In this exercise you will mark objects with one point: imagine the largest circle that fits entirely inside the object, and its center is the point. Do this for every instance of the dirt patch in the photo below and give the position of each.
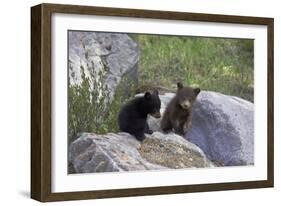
(170, 155)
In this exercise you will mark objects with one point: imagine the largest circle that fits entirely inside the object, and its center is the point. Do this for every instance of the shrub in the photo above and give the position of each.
(89, 108)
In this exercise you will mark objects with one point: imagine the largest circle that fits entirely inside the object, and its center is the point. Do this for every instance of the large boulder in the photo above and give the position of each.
(154, 124)
(110, 55)
(122, 152)
(222, 126)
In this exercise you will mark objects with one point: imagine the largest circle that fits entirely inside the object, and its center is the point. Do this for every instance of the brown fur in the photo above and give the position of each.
(177, 115)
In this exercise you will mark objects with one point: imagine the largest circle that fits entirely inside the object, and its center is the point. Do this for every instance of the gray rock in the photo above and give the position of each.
(222, 126)
(154, 124)
(110, 55)
(122, 152)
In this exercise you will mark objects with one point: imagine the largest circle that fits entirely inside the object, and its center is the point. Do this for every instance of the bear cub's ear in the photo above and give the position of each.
(180, 85)
(147, 95)
(197, 91)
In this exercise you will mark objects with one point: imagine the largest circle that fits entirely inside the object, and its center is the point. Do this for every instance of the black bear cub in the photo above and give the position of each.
(133, 115)
(177, 115)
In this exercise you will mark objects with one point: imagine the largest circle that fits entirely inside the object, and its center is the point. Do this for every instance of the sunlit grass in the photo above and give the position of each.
(222, 65)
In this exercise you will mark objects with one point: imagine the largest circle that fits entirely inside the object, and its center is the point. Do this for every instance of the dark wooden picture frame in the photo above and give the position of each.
(41, 117)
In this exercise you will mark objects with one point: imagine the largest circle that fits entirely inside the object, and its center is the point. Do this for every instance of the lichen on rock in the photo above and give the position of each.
(170, 151)
(122, 152)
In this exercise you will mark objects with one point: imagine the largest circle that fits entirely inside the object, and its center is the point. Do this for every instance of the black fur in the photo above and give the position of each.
(133, 115)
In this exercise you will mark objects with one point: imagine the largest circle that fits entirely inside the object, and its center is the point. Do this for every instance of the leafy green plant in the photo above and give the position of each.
(90, 108)
(87, 104)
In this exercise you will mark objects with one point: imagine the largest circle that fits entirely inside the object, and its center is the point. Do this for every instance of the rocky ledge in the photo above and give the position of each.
(122, 152)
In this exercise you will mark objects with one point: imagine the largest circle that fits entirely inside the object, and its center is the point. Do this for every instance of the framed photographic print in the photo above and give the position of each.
(130, 102)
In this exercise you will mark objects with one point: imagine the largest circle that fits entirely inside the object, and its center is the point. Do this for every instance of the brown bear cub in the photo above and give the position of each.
(177, 115)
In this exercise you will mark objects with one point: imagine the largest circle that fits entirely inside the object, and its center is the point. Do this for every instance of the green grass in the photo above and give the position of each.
(216, 64)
